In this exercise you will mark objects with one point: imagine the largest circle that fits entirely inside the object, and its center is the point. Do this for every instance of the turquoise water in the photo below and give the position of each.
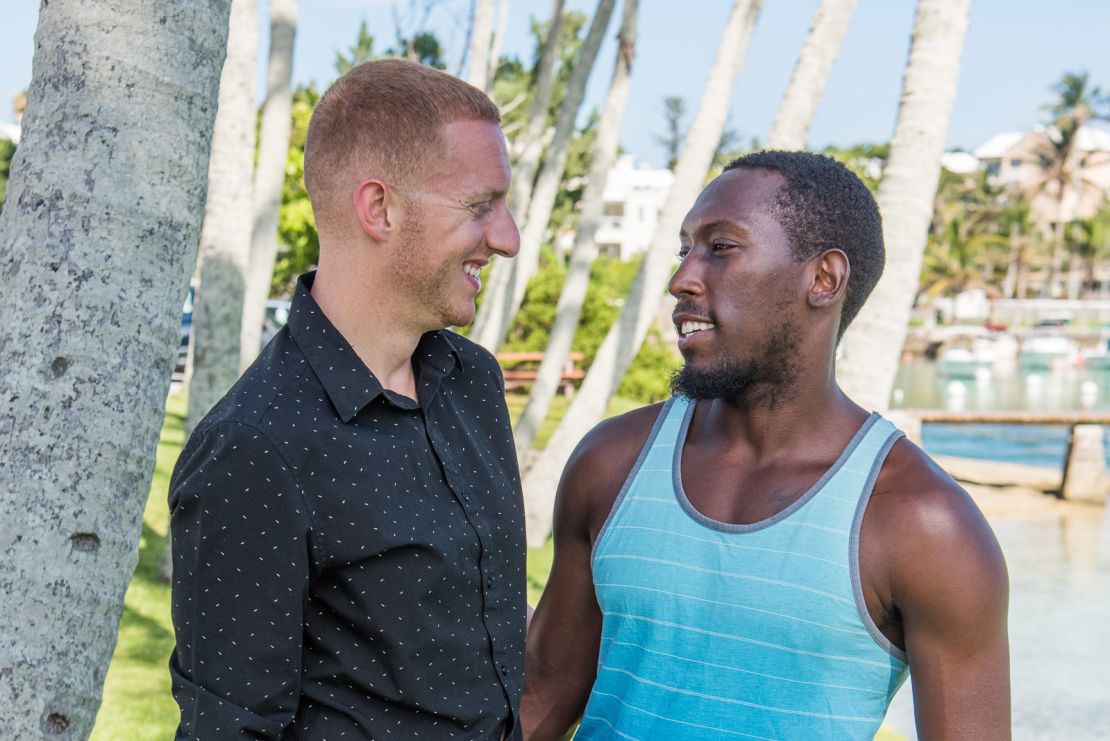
(1058, 561)
(920, 386)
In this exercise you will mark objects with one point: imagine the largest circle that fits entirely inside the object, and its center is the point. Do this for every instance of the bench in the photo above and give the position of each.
(522, 368)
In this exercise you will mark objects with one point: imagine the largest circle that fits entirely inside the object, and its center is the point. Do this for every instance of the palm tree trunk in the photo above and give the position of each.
(524, 168)
(547, 184)
(481, 38)
(569, 308)
(225, 238)
(873, 344)
(627, 334)
(498, 37)
(98, 237)
(269, 177)
(811, 74)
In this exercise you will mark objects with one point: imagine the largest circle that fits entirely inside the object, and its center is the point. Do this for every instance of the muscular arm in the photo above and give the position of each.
(561, 659)
(240, 580)
(949, 588)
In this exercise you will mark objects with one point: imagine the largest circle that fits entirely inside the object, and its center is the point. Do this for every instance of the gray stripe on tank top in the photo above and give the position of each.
(853, 549)
(648, 444)
(731, 527)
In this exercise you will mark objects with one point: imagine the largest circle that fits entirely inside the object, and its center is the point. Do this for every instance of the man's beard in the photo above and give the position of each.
(762, 378)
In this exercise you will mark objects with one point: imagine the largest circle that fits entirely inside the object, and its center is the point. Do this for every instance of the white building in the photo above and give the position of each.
(633, 198)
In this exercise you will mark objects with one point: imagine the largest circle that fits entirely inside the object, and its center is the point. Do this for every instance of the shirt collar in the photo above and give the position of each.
(349, 384)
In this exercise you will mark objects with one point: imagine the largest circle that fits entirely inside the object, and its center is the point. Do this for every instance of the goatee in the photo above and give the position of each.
(762, 378)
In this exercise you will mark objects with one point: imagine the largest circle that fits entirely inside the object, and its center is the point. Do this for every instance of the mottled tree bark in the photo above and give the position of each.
(873, 343)
(811, 74)
(97, 242)
(225, 238)
(269, 175)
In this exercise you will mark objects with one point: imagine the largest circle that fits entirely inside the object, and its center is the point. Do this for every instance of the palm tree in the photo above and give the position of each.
(269, 176)
(627, 334)
(501, 304)
(526, 162)
(109, 179)
(225, 239)
(569, 308)
(1062, 163)
(481, 40)
(872, 345)
(1089, 241)
(811, 73)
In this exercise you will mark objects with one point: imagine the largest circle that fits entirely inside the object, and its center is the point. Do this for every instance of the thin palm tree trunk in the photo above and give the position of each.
(269, 176)
(811, 74)
(481, 38)
(569, 308)
(524, 167)
(627, 334)
(225, 238)
(527, 261)
(98, 240)
(872, 345)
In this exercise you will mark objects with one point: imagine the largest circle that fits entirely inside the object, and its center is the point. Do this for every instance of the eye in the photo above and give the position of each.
(479, 208)
(682, 252)
(718, 246)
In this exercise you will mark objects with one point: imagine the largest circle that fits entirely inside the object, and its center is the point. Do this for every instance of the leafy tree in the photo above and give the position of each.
(296, 225)
(7, 152)
(674, 111)
(1060, 161)
(361, 51)
(1088, 241)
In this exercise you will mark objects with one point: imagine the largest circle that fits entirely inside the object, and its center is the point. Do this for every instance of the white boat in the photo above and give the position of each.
(960, 362)
(1048, 351)
(1097, 358)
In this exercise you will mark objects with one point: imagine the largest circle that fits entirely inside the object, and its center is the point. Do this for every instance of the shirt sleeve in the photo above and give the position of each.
(241, 561)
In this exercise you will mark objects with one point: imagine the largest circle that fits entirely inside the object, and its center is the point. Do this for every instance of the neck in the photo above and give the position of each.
(810, 410)
(358, 306)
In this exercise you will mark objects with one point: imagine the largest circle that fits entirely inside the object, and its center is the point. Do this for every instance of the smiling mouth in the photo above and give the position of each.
(474, 273)
(685, 329)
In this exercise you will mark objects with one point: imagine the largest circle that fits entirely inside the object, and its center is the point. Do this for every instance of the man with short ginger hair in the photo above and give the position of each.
(347, 522)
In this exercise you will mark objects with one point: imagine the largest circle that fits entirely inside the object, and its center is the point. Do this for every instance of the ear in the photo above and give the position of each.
(830, 278)
(373, 199)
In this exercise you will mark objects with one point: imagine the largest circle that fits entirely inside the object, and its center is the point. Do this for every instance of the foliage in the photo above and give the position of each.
(7, 152)
(865, 160)
(361, 51)
(674, 132)
(647, 378)
(296, 225)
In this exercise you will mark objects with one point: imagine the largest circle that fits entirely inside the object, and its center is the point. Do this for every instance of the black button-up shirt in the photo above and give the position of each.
(348, 562)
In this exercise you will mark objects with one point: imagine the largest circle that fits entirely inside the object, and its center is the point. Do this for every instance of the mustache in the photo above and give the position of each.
(691, 309)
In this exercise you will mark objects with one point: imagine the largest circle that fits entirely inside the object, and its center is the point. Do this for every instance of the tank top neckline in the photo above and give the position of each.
(732, 527)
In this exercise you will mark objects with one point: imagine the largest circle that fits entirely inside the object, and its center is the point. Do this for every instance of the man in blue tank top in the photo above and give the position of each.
(759, 557)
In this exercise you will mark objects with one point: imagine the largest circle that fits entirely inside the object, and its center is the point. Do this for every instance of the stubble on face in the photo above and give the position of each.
(415, 274)
(763, 378)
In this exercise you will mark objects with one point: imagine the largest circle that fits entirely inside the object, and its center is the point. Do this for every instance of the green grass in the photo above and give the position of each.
(137, 704)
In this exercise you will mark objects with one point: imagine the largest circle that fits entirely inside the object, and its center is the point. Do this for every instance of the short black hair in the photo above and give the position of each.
(824, 206)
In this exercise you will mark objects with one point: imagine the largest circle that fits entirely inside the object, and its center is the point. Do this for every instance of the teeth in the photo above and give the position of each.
(472, 270)
(690, 327)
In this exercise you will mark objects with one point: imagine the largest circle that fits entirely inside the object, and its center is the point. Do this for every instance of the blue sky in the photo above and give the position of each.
(1015, 50)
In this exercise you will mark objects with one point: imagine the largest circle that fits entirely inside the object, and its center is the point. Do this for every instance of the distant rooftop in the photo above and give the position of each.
(998, 145)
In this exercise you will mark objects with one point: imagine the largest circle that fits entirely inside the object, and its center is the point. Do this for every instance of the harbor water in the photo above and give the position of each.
(1058, 560)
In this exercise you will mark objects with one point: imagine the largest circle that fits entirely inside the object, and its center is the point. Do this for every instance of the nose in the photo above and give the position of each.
(502, 236)
(686, 280)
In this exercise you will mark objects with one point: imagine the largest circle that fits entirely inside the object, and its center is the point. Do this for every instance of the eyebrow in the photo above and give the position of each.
(732, 226)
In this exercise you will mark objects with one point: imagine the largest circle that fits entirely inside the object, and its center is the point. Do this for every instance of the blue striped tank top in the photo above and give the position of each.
(716, 631)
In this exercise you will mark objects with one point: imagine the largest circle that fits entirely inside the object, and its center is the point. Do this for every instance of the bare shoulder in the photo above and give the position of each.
(601, 462)
(934, 539)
